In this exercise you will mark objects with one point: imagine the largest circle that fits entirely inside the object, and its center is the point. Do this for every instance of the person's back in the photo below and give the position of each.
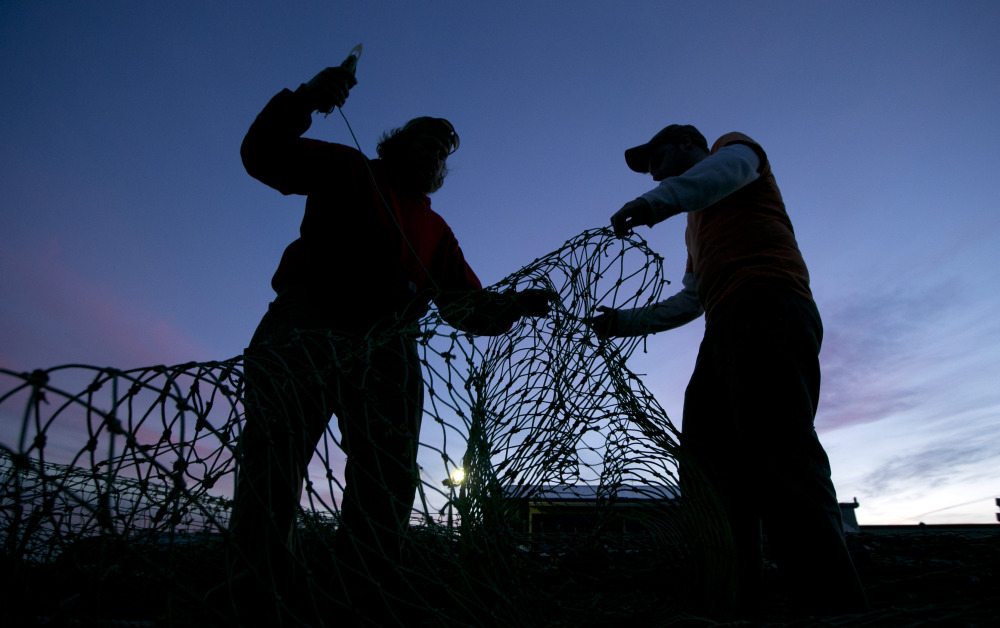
(745, 239)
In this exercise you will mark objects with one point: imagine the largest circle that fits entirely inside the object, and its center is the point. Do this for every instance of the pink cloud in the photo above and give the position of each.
(55, 314)
(876, 357)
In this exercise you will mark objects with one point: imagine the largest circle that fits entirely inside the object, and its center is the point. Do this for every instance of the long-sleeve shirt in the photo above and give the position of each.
(738, 235)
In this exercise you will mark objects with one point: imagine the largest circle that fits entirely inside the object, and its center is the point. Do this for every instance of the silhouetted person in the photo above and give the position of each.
(747, 429)
(370, 257)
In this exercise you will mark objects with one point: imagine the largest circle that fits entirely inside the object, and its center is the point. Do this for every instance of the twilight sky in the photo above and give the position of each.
(130, 235)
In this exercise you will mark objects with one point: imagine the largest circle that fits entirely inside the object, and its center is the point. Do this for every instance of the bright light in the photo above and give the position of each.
(458, 475)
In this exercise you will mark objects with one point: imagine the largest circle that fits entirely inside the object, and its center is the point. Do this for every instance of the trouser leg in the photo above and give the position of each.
(380, 426)
(805, 534)
(724, 502)
(802, 522)
(749, 420)
(287, 410)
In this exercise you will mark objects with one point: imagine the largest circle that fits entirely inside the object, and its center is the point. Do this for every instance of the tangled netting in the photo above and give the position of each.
(116, 489)
(117, 485)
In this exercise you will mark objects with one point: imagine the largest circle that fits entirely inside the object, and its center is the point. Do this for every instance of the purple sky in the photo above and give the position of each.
(130, 234)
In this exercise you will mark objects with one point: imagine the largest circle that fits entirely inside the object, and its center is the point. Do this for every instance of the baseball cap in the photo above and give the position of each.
(637, 157)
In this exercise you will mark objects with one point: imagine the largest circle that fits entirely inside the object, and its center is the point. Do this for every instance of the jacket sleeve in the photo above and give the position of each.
(479, 312)
(274, 151)
(707, 182)
(680, 309)
(461, 300)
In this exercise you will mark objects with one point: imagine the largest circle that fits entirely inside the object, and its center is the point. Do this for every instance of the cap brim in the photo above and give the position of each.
(637, 158)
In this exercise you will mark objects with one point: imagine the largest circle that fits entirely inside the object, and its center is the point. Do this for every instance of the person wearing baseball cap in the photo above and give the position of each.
(747, 434)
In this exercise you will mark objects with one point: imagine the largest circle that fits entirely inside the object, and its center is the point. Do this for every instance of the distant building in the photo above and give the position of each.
(965, 529)
(550, 509)
(850, 519)
(556, 509)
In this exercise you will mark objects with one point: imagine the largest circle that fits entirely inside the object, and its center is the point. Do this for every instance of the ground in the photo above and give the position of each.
(947, 579)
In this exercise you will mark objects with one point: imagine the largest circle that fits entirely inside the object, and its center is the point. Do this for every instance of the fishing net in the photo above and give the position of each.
(117, 485)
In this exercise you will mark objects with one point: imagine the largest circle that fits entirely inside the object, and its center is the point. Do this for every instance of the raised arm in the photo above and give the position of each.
(274, 151)
(677, 310)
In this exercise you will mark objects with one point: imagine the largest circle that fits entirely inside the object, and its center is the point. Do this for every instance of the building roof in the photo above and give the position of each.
(591, 492)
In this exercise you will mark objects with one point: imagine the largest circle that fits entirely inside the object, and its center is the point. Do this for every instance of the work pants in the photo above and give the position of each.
(748, 435)
(298, 374)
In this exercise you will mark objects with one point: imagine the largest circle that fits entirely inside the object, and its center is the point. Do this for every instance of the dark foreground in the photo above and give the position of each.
(916, 579)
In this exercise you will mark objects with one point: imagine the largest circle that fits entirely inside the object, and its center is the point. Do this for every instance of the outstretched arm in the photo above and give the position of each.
(680, 309)
(707, 182)
(487, 313)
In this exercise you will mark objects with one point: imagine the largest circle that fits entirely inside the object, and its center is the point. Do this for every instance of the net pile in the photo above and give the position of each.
(115, 485)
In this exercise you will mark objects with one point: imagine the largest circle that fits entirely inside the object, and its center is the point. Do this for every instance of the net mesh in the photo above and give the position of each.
(116, 486)
(106, 472)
